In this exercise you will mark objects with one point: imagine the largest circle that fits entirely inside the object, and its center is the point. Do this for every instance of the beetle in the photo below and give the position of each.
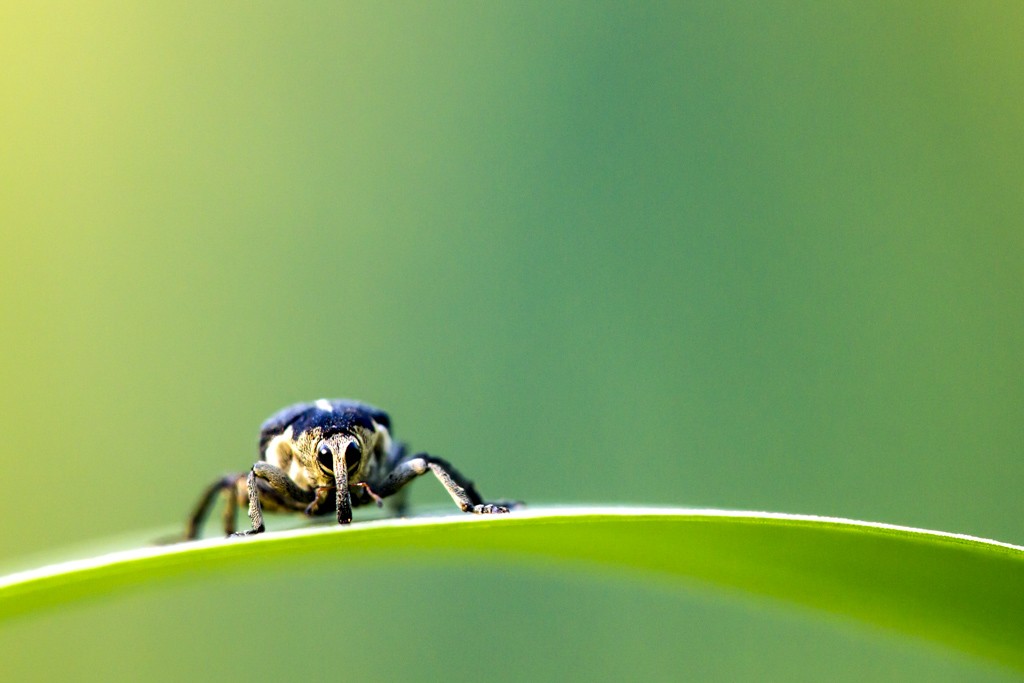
(308, 451)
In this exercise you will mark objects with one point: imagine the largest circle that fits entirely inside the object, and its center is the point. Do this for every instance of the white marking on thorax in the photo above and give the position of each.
(324, 404)
(298, 475)
(279, 450)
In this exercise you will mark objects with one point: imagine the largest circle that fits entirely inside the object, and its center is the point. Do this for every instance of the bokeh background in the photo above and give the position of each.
(733, 254)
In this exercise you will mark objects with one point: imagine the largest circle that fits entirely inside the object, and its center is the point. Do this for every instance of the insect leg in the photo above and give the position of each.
(235, 495)
(255, 512)
(282, 491)
(459, 488)
(398, 503)
(199, 512)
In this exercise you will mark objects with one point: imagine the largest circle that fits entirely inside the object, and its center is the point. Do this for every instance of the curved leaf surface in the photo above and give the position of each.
(965, 592)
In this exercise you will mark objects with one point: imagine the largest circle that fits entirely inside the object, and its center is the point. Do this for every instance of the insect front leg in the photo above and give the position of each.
(275, 487)
(459, 488)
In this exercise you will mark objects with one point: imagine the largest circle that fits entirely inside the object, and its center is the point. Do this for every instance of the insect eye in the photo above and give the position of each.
(325, 457)
(353, 454)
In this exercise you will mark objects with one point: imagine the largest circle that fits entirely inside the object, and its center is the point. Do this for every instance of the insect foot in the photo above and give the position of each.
(489, 509)
(250, 532)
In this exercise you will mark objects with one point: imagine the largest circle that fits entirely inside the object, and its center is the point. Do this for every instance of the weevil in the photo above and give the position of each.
(308, 451)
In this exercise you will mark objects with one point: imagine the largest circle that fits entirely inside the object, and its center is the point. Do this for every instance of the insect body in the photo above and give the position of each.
(324, 457)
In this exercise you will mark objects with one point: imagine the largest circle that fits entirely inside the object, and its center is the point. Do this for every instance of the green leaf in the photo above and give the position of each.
(962, 591)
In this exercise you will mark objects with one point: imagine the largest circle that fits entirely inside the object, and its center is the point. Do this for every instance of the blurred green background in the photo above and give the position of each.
(733, 255)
